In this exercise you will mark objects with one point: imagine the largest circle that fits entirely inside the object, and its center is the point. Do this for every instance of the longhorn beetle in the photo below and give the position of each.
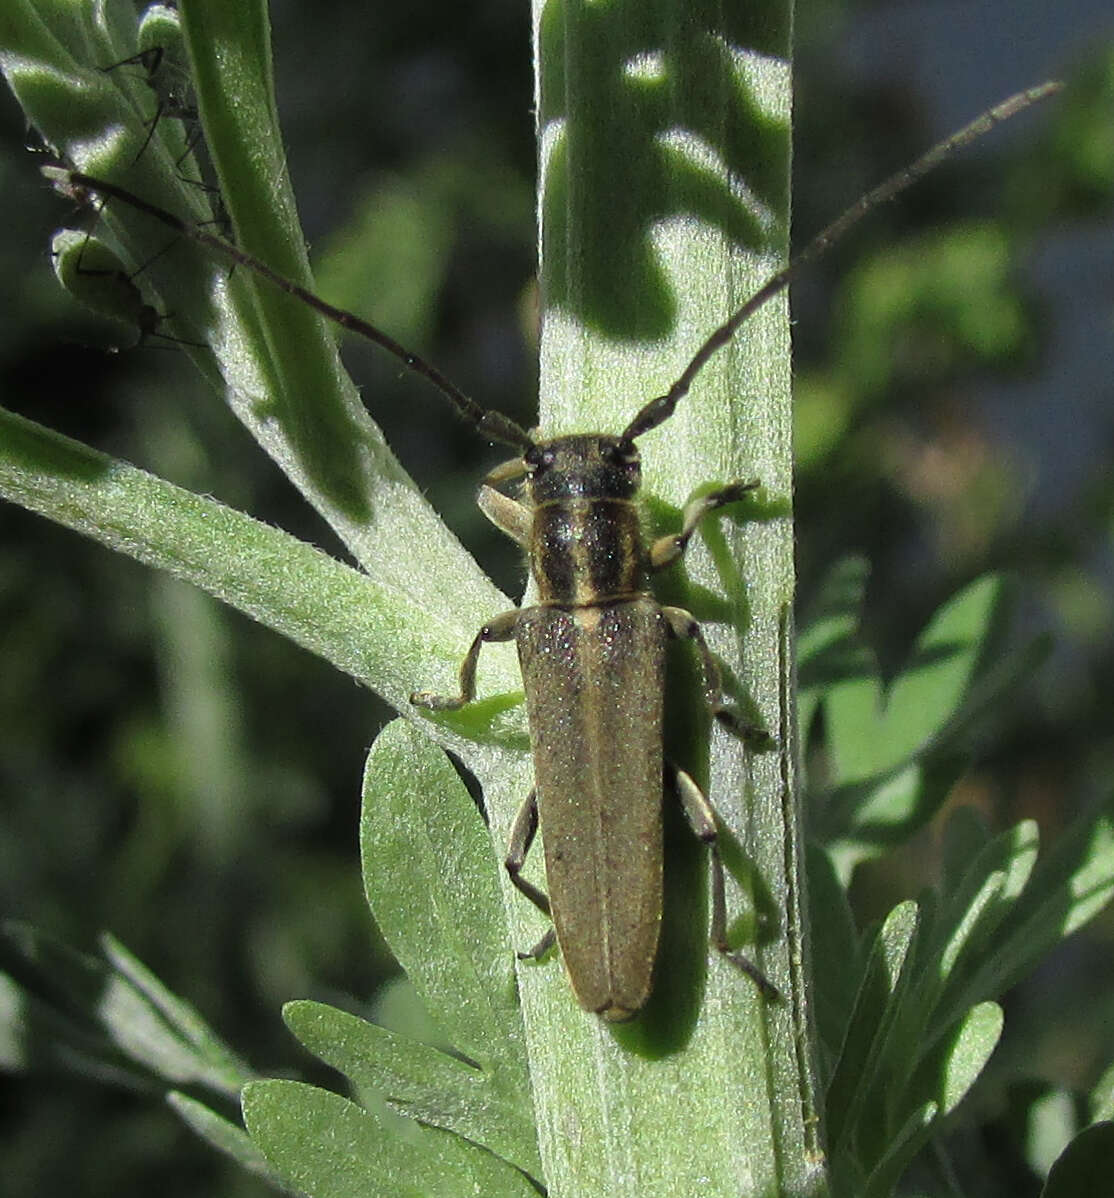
(592, 646)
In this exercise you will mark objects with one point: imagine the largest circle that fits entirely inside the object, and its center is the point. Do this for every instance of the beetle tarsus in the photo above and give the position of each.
(541, 948)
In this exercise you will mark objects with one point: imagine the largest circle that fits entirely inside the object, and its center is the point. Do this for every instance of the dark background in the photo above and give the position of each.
(188, 780)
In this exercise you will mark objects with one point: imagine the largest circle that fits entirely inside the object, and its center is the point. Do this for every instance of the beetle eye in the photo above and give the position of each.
(537, 458)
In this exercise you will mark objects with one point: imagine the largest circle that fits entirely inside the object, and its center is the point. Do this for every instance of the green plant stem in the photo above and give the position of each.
(656, 223)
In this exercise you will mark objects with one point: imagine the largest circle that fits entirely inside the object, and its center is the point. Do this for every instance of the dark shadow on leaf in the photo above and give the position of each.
(471, 784)
(41, 450)
(629, 87)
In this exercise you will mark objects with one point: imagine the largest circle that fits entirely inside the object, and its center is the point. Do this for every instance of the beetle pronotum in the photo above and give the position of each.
(591, 647)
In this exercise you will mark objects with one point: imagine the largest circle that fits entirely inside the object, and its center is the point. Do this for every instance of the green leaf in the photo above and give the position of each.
(957, 281)
(146, 1004)
(884, 984)
(431, 880)
(910, 1138)
(920, 1033)
(983, 899)
(1071, 885)
(44, 1035)
(889, 1080)
(925, 1048)
(328, 442)
(836, 951)
(873, 733)
(327, 1147)
(967, 1053)
(110, 1017)
(421, 1082)
(863, 820)
(894, 755)
(1083, 1168)
(367, 626)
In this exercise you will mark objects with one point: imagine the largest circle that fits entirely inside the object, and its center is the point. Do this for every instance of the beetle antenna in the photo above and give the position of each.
(661, 408)
(489, 423)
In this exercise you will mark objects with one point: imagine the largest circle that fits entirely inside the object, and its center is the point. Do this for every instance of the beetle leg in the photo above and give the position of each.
(684, 626)
(523, 831)
(702, 819)
(541, 948)
(508, 515)
(666, 550)
(501, 628)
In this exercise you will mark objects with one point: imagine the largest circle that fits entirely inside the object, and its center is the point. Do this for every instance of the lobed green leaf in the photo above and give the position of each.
(327, 1147)
(450, 935)
(421, 1082)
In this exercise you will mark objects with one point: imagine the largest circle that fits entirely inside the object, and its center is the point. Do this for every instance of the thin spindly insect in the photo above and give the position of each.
(162, 63)
(592, 646)
(169, 86)
(92, 273)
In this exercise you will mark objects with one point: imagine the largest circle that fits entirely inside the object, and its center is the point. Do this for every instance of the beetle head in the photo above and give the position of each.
(590, 466)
